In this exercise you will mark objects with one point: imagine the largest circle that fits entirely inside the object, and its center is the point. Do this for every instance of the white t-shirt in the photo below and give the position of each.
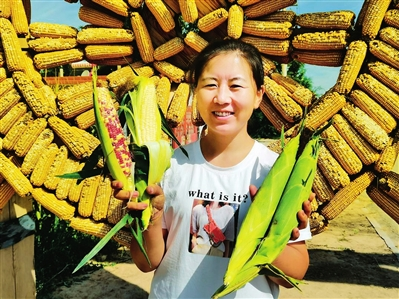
(189, 181)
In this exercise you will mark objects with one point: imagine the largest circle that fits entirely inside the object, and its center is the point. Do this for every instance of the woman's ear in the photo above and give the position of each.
(259, 96)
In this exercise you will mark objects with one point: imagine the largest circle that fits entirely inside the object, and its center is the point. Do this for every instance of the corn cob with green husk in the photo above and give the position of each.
(294, 178)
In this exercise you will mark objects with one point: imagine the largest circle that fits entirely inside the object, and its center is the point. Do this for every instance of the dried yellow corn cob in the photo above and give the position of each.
(341, 150)
(244, 3)
(288, 108)
(178, 105)
(85, 120)
(70, 137)
(385, 52)
(88, 195)
(386, 74)
(61, 208)
(6, 192)
(351, 66)
(89, 226)
(42, 167)
(336, 176)
(44, 29)
(268, 66)
(31, 71)
(5, 9)
(373, 109)
(384, 201)
(169, 48)
(321, 41)
(270, 29)
(391, 18)
(33, 131)
(13, 135)
(163, 93)
(48, 44)
(103, 35)
(11, 173)
(3, 74)
(57, 58)
(189, 11)
(273, 115)
(85, 137)
(101, 203)
(280, 16)
(390, 35)
(105, 51)
(121, 80)
(235, 21)
(11, 46)
(115, 210)
(75, 90)
(143, 38)
(324, 109)
(135, 3)
(49, 94)
(389, 183)
(298, 92)
(373, 17)
(99, 18)
(32, 156)
(123, 237)
(56, 168)
(195, 41)
(19, 18)
(12, 116)
(344, 197)
(321, 187)
(117, 61)
(269, 46)
(387, 159)
(212, 20)
(161, 14)
(119, 7)
(9, 100)
(322, 58)
(169, 70)
(64, 185)
(379, 92)
(332, 20)
(196, 118)
(358, 143)
(266, 7)
(40, 105)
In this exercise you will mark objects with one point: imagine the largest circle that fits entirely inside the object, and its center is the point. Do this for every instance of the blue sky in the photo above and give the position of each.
(62, 12)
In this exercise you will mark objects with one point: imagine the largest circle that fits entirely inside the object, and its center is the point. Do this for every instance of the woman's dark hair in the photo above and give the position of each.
(249, 52)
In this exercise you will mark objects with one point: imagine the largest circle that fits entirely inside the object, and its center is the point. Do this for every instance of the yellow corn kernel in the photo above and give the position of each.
(321, 41)
(143, 38)
(61, 208)
(19, 18)
(169, 48)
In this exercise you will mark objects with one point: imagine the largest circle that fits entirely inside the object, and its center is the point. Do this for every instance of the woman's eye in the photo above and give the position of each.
(236, 86)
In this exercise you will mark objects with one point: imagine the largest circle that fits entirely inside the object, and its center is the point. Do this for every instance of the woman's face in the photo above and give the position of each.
(227, 94)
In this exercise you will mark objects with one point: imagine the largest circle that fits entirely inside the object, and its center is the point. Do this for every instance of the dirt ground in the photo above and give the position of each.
(357, 257)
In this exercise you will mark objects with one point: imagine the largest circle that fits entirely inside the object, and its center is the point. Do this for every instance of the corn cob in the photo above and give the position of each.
(274, 116)
(333, 20)
(12, 116)
(69, 137)
(269, 29)
(161, 14)
(123, 237)
(31, 71)
(117, 6)
(302, 95)
(11, 46)
(178, 105)
(61, 208)
(385, 52)
(99, 18)
(357, 142)
(8, 101)
(189, 11)
(244, 3)
(331, 58)
(19, 18)
(105, 51)
(121, 80)
(6, 86)
(268, 66)
(115, 210)
(389, 183)
(361, 15)
(85, 119)
(88, 226)
(321, 41)
(11, 173)
(103, 35)
(387, 159)
(40, 105)
(88, 195)
(379, 92)
(373, 109)
(57, 58)
(321, 187)
(351, 66)
(75, 190)
(384, 201)
(390, 35)
(13, 135)
(28, 137)
(117, 61)
(344, 197)
(169, 70)
(42, 167)
(373, 17)
(163, 94)
(135, 3)
(235, 21)
(143, 38)
(102, 200)
(48, 44)
(212, 20)
(266, 7)
(76, 90)
(31, 158)
(281, 16)
(391, 18)
(269, 46)
(56, 168)
(5, 9)
(336, 176)
(3, 74)
(169, 48)
(324, 109)
(6, 192)
(196, 118)
(195, 41)
(44, 29)
(65, 184)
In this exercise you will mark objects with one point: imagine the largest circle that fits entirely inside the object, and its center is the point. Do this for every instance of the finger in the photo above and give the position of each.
(252, 191)
(302, 219)
(294, 234)
(116, 184)
(136, 206)
(125, 194)
(307, 207)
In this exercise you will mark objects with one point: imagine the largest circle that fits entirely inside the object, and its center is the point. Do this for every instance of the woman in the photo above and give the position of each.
(225, 165)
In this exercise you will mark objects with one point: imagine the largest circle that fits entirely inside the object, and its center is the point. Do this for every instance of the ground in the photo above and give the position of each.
(356, 257)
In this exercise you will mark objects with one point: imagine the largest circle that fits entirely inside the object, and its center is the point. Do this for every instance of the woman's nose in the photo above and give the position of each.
(222, 96)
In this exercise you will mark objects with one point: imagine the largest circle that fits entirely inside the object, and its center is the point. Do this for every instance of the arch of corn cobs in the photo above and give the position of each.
(45, 132)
